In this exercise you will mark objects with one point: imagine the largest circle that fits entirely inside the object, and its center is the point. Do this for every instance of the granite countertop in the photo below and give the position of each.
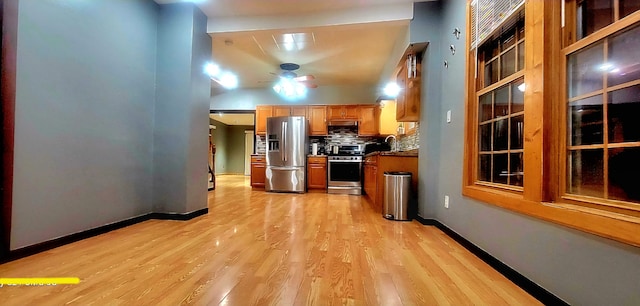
(259, 154)
(411, 153)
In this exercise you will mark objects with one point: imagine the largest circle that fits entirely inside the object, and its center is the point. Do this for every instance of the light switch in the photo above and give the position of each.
(449, 116)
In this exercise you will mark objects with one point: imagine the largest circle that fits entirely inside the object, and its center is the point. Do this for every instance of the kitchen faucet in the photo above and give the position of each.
(395, 142)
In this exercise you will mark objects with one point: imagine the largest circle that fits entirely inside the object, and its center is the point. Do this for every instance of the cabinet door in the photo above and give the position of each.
(262, 113)
(350, 112)
(412, 101)
(258, 171)
(335, 112)
(317, 176)
(387, 121)
(317, 120)
(401, 79)
(281, 111)
(370, 183)
(299, 111)
(368, 121)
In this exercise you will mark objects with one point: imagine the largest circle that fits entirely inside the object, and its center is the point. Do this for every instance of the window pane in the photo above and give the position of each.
(593, 15)
(623, 63)
(586, 117)
(491, 50)
(628, 6)
(520, 56)
(501, 135)
(485, 137)
(508, 39)
(484, 169)
(517, 132)
(516, 169)
(517, 96)
(584, 70)
(624, 166)
(500, 171)
(485, 111)
(586, 172)
(623, 110)
(508, 64)
(501, 107)
(491, 73)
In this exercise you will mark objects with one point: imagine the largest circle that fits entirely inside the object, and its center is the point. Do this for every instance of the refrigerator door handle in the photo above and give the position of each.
(283, 152)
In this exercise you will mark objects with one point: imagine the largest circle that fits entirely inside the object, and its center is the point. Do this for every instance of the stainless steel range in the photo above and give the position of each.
(345, 170)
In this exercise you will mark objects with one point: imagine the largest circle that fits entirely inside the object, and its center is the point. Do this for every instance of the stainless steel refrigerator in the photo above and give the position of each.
(286, 154)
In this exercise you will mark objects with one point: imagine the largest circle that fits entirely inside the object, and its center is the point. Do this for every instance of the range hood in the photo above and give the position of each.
(342, 123)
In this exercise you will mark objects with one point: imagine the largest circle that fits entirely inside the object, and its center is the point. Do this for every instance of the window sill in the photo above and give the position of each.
(606, 224)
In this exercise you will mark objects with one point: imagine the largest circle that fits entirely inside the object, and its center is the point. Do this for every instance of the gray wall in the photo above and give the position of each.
(85, 97)
(180, 135)
(580, 268)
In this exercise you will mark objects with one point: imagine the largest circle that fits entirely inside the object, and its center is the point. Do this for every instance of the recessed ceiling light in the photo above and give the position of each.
(392, 90)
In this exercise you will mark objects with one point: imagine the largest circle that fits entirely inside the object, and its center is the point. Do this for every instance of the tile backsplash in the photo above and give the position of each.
(261, 144)
(346, 135)
(410, 142)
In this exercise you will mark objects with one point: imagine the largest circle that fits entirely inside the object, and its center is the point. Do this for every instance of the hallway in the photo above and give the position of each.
(267, 248)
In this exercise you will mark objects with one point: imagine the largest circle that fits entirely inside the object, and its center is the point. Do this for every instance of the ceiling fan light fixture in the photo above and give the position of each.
(290, 89)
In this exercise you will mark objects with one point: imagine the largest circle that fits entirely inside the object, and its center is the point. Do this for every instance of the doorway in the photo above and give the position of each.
(233, 137)
(249, 139)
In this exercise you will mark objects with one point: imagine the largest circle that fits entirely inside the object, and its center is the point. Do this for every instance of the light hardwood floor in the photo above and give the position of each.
(268, 249)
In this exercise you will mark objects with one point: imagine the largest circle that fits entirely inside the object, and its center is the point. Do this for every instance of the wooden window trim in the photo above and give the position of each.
(605, 205)
(542, 195)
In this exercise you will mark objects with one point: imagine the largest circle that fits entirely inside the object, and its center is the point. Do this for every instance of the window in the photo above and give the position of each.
(576, 79)
(603, 103)
(500, 100)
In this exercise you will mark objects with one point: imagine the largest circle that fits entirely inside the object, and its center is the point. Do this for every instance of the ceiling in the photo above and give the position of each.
(233, 119)
(339, 42)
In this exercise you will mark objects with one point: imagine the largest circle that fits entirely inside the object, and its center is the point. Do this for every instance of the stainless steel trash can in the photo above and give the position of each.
(397, 190)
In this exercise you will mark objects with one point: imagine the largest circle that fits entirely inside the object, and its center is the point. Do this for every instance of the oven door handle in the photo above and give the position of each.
(345, 161)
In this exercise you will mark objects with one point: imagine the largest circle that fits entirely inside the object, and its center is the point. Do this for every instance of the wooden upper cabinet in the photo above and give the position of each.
(401, 79)
(262, 113)
(368, 121)
(387, 118)
(342, 112)
(283, 111)
(409, 79)
(299, 111)
(317, 120)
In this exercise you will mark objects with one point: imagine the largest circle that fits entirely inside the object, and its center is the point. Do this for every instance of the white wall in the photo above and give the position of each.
(247, 99)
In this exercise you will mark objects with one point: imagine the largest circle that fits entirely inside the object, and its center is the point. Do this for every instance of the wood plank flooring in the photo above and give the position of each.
(258, 248)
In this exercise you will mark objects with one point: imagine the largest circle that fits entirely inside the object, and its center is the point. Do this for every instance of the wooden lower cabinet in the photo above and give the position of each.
(374, 168)
(370, 182)
(317, 172)
(258, 170)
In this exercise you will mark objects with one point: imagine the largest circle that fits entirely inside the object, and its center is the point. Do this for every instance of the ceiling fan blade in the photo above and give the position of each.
(304, 78)
(309, 85)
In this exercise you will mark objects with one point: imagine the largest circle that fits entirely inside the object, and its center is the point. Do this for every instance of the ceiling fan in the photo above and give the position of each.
(288, 74)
